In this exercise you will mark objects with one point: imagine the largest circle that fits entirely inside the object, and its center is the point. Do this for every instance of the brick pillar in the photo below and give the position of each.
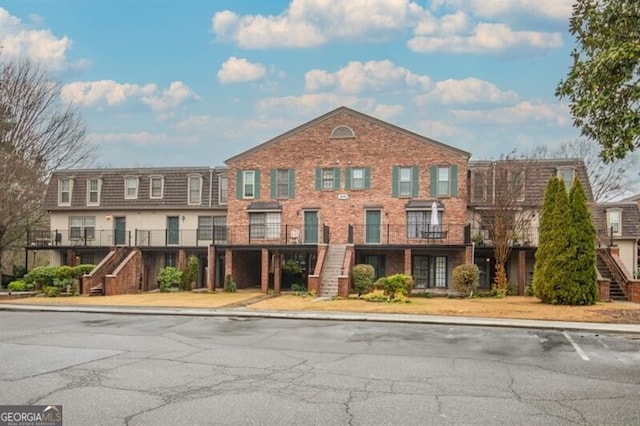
(228, 263)
(614, 250)
(182, 259)
(522, 272)
(407, 261)
(277, 273)
(211, 268)
(604, 295)
(468, 255)
(264, 271)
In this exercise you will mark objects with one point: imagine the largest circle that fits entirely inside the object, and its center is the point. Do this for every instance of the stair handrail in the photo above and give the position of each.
(618, 270)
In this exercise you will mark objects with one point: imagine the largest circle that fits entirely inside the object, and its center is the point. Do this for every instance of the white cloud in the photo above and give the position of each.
(177, 94)
(486, 37)
(550, 9)
(312, 23)
(236, 70)
(438, 130)
(305, 105)
(357, 77)
(466, 91)
(39, 45)
(138, 138)
(112, 93)
(387, 112)
(522, 113)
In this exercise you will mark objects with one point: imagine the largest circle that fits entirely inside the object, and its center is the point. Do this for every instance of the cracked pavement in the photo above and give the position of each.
(110, 369)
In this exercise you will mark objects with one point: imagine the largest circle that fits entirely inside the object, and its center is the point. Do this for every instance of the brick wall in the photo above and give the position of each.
(604, 295)
(633, 290)
(375, 146)
(246, 268)
(106, 266)
(126, 277)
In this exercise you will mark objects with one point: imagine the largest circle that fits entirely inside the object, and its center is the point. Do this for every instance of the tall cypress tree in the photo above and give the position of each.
(586, 289)
(544, 235)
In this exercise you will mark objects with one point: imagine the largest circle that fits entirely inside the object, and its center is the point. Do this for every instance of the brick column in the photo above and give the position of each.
(182, 259)
(211, 268)
(277, 272)
(468, 255)
(228, 263)
(264, 271)
(407, 261)
(522, 272)
(604, 295)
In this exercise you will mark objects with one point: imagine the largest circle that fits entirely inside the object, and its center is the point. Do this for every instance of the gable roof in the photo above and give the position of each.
(356, 114)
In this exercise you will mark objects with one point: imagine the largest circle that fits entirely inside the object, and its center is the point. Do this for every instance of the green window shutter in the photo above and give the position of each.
(256, 193)
(433, 177)
(367, 177)
(239, 185)
(318, 179)
(336, 178)
(395, 177)
(453, 172)
(292, 183)
(347, 178)
(274, 183)
(415, 181)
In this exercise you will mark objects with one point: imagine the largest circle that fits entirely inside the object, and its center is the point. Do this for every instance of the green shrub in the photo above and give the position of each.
(298, 288)
(41, 276)
(51, 291)
(395, 286)
(229, 284)
(363, 277)
(64, 272)
(19, 271)
(292, 267)
(168, 277)
(17, 285)
(81, 270)
(465, 278)
(190, 273)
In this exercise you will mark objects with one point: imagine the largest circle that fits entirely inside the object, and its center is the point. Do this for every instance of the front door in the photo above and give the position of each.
(421, 271)
(372, 226)
(173, 230)
(311, 227)
(120, 230)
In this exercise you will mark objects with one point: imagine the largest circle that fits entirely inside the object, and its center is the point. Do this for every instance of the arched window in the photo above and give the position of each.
(342, 132)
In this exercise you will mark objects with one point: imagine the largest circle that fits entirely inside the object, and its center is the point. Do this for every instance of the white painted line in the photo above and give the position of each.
(576, 347)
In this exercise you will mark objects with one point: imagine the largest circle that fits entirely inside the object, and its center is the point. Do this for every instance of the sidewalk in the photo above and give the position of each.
(334, 316)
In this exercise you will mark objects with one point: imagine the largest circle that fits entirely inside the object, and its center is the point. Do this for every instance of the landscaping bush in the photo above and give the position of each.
(19, 271)
(229, 284)
(81, 270)
(168, 277)
(41, 276)
(395, 286)
(51, 291)
(298, 288)
(363, 278)
(190, 273)
(465, 278)
(64, 272)
(18, 285)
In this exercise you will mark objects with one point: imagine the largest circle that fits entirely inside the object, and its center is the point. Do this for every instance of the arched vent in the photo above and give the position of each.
(342, 132)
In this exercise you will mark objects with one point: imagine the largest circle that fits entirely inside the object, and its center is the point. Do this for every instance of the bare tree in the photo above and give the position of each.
(38, 134)
(609, 181)
(504, 215)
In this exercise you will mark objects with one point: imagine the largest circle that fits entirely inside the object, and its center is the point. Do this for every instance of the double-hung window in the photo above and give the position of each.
(131, 187)
(82, 227)
(156, 184)
(405, 181)
(404, 188)
(282, 183)
(264, 225)
(195, 190)
(614, 220)
(328, 179)
(444, 181)
(223, 189)
(93, 192)
(64, 192)
(567, 174)
(248, 186)
(420, 225)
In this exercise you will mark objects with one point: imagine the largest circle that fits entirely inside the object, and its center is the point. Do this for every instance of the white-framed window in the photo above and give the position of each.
(248, 184)
(357, 178)
(223, 189)
(440, 272)
(342, 132)
(404, 181)
(444, 181)
(282, 183)
(156, 187)
(567, 174)
(264, 225)
(195, 190)
(131, 187)
(419, 224)
(614, 221)
(93, 192)
(82, 227)
(64, 191)
(328, 179)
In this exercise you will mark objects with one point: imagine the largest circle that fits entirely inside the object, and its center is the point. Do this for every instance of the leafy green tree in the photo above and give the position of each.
(190, 273)
(540, 274)
(603, 83)
(586, 291)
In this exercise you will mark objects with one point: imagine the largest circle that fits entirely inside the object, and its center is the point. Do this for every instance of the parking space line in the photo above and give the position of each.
(575, 346)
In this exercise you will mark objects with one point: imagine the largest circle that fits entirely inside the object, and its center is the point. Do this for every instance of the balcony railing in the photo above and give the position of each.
(389, 234)
(527, 237)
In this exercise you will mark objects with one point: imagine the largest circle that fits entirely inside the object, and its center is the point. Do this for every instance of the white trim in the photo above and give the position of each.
(151, 179)
(126, 188)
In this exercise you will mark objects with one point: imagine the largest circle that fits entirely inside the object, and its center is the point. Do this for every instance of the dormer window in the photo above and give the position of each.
(156, 186)
(65, 186)
(93, 192)
(567, 174)
(614, 222)
(131, 187)
(195, 190)
(343, 132)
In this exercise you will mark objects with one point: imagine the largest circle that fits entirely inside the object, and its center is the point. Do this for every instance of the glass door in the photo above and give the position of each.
(173, 230)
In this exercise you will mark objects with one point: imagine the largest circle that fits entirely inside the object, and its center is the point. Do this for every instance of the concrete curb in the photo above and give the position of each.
(335, 316)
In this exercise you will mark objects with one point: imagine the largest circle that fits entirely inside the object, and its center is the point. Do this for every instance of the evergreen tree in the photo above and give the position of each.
(544, 234)
(586, 289)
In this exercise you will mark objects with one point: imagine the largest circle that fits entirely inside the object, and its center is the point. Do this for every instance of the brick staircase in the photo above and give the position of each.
(615, 291)
(331, 270)
(94, 283)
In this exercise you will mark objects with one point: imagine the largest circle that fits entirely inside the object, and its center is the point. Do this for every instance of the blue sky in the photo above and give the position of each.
(172, 83)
